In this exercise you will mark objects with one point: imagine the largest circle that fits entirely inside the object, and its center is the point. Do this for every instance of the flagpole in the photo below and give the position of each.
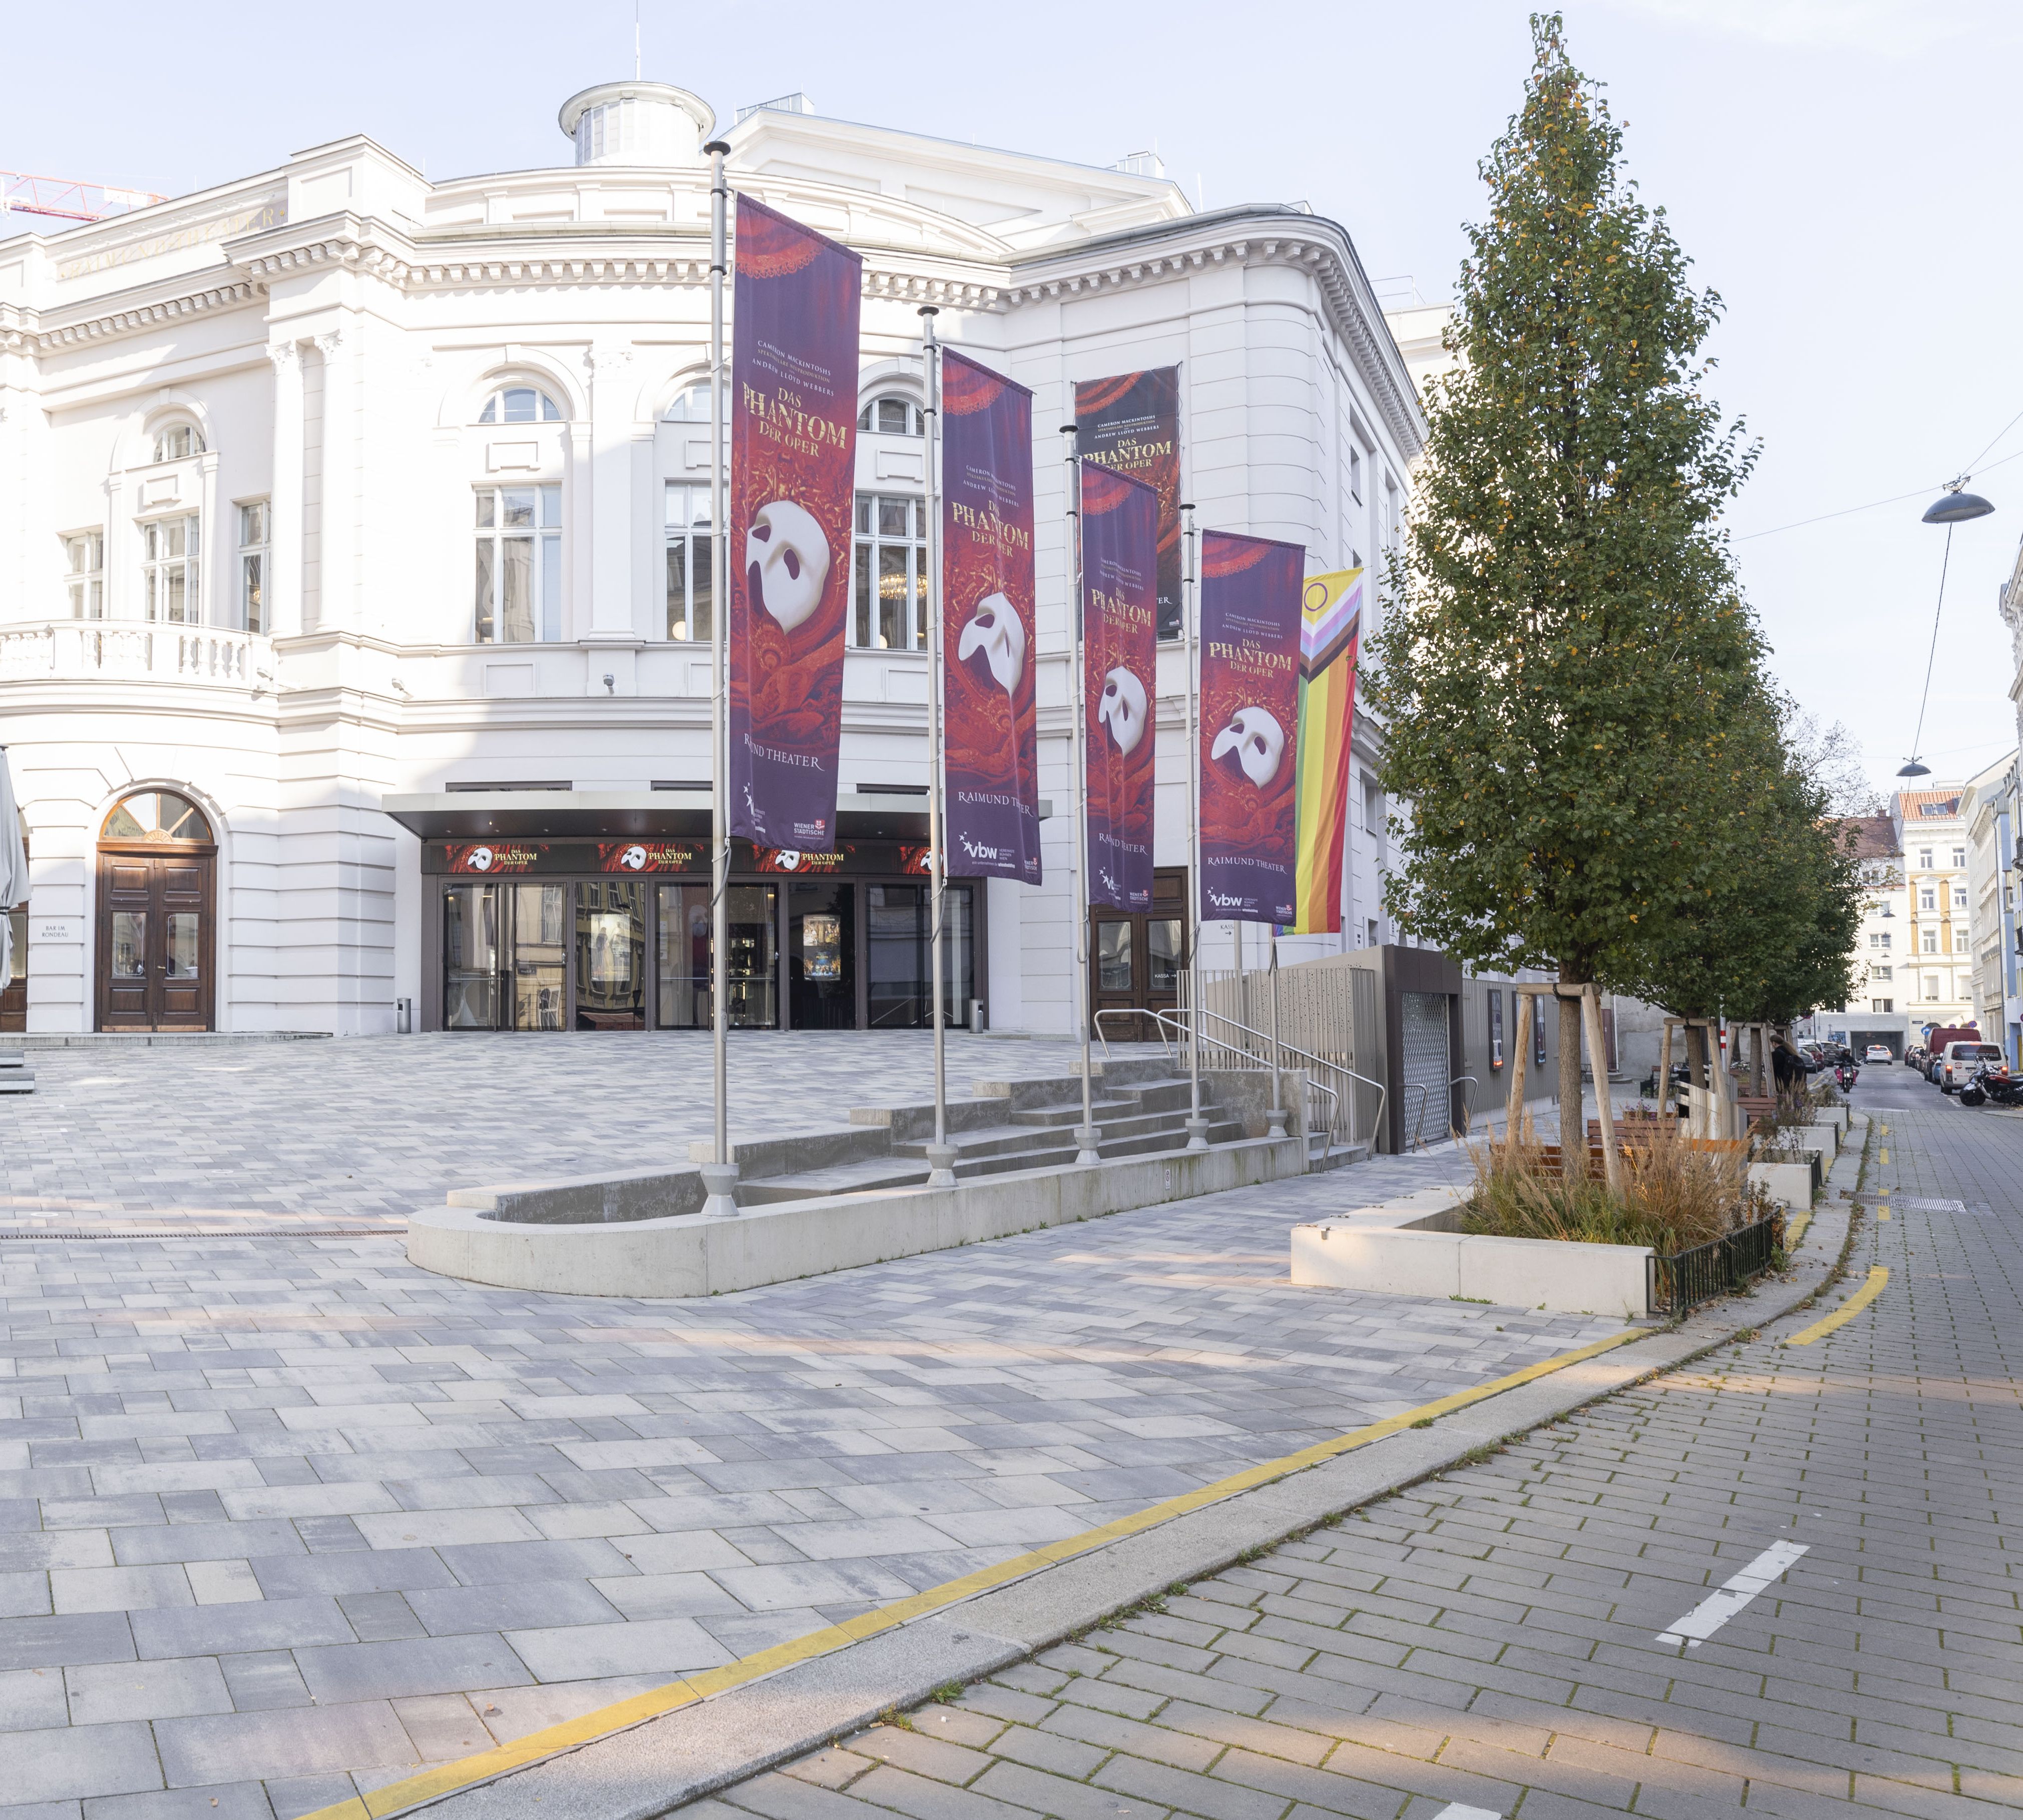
(1196, 1125)
(1087, 1136)
(940, 1153)
(720, 1178)
(1277, 1117)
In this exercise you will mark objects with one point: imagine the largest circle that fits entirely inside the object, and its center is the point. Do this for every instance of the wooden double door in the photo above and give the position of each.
(157, 940)
(1135, 960)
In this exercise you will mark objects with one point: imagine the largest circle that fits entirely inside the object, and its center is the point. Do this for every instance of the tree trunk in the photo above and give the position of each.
(1573, 1125)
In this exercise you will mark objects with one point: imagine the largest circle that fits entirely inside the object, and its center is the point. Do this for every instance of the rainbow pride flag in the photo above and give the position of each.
(1331, 627)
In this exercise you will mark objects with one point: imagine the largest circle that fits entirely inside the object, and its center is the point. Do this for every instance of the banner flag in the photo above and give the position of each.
(1132, 423)
(990, 735)
(793, 454)
(1330, 630)
(1250, 596)
(1120, 555)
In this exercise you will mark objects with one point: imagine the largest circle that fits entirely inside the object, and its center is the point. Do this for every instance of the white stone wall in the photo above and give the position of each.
(335, 365)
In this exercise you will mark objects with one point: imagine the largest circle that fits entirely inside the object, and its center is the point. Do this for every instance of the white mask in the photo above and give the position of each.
(1123, 708)
(1256, 741)
(787, 548)
(997, 634)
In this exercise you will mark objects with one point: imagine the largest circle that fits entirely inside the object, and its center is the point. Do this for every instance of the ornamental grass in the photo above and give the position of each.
(1675, 1194)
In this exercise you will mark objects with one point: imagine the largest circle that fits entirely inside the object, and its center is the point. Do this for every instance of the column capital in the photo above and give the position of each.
(285, 354)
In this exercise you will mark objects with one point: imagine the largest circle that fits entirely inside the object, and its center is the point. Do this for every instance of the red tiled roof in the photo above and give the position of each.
(1929, 805)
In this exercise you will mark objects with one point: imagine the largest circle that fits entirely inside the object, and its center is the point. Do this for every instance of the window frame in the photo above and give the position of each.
(546, 410)
(873, 408)
(177, 427)
(156, 569)
(85, 587)
(491, 533)
(255, 557)
(869, 543)
(695, 533)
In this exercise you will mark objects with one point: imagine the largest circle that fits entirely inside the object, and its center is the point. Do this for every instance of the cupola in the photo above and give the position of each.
(638, 122)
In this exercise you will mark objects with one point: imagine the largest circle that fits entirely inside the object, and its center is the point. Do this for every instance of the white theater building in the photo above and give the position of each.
(350, 522)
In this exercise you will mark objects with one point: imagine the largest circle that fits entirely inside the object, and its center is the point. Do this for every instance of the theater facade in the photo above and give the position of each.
(356, 585)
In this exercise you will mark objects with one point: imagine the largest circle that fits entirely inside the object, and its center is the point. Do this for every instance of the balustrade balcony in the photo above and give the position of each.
(66, 651)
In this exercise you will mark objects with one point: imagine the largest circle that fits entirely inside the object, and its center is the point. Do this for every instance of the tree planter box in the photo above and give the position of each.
(1825, 1138)
(1791, 1184)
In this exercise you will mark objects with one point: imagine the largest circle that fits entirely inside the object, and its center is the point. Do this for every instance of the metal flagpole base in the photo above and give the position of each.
(941, 1165)
(1196, 1130)
(1086, 1137)
(720, 1182)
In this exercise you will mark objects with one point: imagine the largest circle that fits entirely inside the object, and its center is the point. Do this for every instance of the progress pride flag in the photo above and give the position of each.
(990, 739)
(1250, 728)
(1120, 558)
(793, 452)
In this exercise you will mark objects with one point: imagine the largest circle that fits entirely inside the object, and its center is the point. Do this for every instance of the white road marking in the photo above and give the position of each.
(1454, 1810)
(1717, 1608)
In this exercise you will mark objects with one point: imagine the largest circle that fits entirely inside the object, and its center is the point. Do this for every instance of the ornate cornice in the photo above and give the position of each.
(234, 294)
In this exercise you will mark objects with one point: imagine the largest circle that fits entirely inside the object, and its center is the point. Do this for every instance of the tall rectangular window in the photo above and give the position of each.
(252, 528)
(1959, 857)
(84, 556)
(519, 575)
(691, 587)
(169, 555)
(889, 590)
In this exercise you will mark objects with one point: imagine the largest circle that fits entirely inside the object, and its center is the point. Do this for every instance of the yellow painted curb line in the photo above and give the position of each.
(1794, 1234)
(1845, 1312)
(446, 1778)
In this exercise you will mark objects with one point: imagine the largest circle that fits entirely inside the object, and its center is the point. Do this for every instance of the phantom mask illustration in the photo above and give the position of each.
(996, 634)
(786, 558)
(1254, 739)
(1122, 709)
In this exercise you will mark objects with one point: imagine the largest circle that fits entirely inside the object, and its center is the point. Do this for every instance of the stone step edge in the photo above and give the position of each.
(658, 1764)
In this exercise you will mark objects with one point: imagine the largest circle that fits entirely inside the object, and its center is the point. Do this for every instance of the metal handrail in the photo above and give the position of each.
(1468, 1109)
(1183, 1033)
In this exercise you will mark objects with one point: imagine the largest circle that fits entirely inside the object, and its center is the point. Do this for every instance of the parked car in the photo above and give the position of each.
(1878, 1052)
(1914, 1056)
(1962, 1060)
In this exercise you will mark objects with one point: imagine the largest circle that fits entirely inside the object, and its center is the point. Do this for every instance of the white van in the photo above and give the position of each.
(1961, 1060)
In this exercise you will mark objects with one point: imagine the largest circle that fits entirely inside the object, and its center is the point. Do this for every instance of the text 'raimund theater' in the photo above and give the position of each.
(357, 589)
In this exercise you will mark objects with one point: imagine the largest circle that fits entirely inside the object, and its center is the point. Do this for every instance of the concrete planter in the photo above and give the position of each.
(1560, 1278)
(1824, 1138)
(1790, 1183)
(690, 1254)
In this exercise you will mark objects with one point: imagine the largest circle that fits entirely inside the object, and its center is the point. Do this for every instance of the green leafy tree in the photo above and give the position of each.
(1566, 633)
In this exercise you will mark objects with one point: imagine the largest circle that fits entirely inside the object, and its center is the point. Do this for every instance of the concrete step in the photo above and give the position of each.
(1071, 1114)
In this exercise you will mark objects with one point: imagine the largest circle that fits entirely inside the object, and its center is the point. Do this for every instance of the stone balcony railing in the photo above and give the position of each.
(119, 650)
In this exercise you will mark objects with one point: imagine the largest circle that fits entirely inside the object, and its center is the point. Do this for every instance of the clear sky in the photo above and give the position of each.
(1844, 172)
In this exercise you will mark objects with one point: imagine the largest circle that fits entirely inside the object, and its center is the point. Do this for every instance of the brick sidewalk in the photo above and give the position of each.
(1491, 1639)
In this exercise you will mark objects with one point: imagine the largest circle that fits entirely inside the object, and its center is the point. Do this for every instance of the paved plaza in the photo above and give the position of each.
(286, 1517)
(361, 1130)
(1543, 1635)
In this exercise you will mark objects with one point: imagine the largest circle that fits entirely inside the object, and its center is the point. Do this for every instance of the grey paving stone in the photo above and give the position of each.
(127, 1690)
(279, 1745)
(79, 1761)
(272, 1624)
(364, 1672)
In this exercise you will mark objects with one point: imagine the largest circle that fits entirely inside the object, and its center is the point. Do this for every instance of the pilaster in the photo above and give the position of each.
(284, 530)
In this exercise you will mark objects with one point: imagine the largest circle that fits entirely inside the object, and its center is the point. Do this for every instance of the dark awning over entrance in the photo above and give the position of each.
(637, 814)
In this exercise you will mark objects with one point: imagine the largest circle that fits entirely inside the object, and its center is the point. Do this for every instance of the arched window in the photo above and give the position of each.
(155, 815)
(692, 406)
(519, 404)
(893, 414)
(176, 441)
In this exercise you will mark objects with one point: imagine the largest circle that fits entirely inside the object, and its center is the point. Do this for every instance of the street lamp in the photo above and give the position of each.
(1953, 506)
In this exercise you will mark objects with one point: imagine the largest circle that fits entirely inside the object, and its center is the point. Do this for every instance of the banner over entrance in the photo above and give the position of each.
(1249, 730)
(1120, 554)
(988, 641)
(1331, 631)
(1132, 423)
(793, 444)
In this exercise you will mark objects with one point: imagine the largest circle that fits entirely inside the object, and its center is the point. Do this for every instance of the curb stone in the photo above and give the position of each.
(664, 1763)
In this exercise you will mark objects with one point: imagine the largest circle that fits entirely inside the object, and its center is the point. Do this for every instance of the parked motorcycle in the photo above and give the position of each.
(1992, 1082)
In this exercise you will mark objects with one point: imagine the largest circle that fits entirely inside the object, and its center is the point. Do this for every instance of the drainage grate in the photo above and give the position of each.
(1929, 1207)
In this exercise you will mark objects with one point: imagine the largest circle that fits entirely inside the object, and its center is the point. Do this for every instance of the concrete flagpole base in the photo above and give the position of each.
(1277, 1117)
(720, 1182)
(941, 1165)
(1196, 1131)
(1085, 1138)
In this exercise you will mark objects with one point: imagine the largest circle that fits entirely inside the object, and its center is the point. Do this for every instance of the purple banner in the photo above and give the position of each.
(1132, 423)
(1250, 600)
(1120, 578)
(989, 732)
(793, 452)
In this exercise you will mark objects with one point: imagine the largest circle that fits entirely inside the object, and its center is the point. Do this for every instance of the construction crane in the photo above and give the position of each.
(66, 199)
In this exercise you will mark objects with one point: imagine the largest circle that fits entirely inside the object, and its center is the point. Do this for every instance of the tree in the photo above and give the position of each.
(1567, 632)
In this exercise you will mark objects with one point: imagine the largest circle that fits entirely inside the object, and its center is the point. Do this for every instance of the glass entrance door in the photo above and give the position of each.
(1136, 961)
(821, 953)
(155, 942)
(470, 957)
(540, 970)
(611, 954)
(752, 917)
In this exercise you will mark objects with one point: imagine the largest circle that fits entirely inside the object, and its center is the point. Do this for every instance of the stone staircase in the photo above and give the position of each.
(1008, 1126)
(16, 1075)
